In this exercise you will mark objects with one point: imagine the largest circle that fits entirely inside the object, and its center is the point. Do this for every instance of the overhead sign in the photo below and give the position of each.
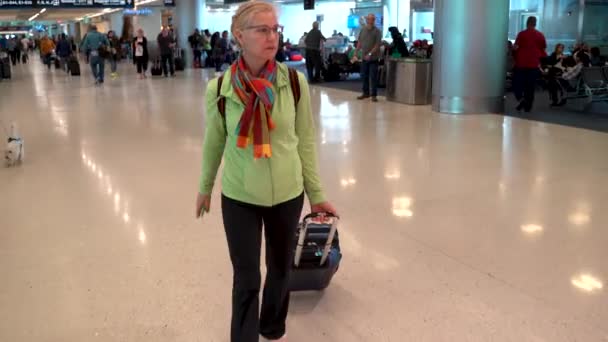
(67, 4)
(145, 11)
(14, 28)
(169, 3)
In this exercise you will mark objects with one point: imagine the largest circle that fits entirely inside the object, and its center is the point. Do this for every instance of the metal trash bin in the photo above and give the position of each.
(409, 81)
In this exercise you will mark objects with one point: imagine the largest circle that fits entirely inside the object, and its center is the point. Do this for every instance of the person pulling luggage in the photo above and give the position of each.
(270, 160)
(166, 44)
(64, 51)
(46, 50)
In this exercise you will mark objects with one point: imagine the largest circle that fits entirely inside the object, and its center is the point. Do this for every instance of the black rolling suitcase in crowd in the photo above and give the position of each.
(318, 254)
(156, 69)
(180, 64)
(73, 66)
(57, 63)
(5, 67)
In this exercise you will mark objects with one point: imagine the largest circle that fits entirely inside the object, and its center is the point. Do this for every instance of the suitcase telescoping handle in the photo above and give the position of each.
(304, 230)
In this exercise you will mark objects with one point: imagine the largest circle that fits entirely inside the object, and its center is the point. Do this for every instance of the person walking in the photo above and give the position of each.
(25, 48)
(141, 56)
(268, 145)
(64, 51)
(46, 50)
(98, 46)
(314, 61)
(166, 45)
(208, 48)
(368, 44)
(114, 53)
(13, 48)
(528, 50)
(196, 40)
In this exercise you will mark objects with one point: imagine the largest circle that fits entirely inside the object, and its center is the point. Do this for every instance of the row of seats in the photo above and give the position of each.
(592, 85)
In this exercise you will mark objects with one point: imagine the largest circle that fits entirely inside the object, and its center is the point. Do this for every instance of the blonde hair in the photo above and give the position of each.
(244, 14)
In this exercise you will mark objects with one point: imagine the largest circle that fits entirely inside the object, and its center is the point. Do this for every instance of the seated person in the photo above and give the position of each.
(350, 51)
(596, 59)
(571, 69)
(556, 57)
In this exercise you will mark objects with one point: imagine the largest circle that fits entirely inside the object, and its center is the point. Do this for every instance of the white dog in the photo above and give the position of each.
(14, 152)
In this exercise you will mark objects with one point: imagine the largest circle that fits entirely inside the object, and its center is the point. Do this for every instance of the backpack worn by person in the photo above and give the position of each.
(294, 82)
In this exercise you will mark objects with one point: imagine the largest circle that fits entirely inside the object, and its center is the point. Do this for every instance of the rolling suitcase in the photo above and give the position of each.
(180, 64)
(156, 69)
(382, 76)
(57, 63)
(5, 69)
(317, 255)
(73, 66)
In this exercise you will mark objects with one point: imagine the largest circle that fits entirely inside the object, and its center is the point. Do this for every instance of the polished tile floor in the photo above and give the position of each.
(455, 228)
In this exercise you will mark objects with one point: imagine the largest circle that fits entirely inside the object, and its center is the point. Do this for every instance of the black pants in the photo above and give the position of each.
(524, 86)
(167, 59)
(314, 62)
(369, 74)
(556, 87)
(197, 56)
(142, 64)
(243, 225)
(208, 58)
(14, 57)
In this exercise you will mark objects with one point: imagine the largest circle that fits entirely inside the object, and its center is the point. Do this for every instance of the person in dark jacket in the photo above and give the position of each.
(114, 53)
(166, 45)
(398, 45)
(64, 51)
(140, 53)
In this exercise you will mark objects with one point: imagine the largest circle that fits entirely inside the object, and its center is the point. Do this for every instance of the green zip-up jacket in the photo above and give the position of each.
(266, 182)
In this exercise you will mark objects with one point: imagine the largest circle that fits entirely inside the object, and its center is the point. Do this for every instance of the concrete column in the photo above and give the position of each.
(469, 57)
(188, 16)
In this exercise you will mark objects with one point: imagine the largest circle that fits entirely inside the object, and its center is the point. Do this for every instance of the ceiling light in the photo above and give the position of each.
(531, 228)
(43, 10)
(587, 283)
(579, 219)
(401, 207)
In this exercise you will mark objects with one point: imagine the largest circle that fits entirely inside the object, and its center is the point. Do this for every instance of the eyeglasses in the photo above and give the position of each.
(264, 30)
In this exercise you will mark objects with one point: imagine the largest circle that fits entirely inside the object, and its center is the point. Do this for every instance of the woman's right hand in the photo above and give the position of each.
(203, 202)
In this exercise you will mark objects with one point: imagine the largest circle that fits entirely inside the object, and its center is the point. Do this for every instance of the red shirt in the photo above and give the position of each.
(531, 48)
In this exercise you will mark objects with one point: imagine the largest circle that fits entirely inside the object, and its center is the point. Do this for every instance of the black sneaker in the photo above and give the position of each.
(362, 97)
(374, 99)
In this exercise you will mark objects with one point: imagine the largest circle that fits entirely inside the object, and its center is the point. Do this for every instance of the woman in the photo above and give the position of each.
(569, 77)
(269, 151)
(140, 48)
(114, 52)
(554, 67)
(556, 57)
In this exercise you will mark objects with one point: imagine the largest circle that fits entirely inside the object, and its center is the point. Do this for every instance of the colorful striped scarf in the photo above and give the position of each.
(257, 94)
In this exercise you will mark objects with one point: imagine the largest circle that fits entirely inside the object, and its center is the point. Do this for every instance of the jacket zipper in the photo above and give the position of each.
(271, 182)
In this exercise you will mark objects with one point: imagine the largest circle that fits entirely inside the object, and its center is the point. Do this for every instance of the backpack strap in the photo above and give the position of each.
(294, 82)
(221, 100)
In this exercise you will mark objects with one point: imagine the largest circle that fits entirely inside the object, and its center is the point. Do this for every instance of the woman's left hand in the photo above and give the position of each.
(324, 207)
